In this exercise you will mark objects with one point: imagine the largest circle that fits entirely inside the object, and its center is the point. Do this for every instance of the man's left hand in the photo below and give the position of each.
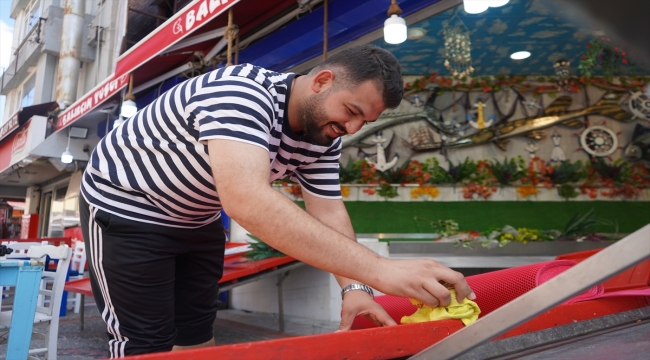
(359, 303)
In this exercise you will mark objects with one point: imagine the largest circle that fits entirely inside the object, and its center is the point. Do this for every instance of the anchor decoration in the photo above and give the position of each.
(557, 155)
(381, 163)
(480, 123)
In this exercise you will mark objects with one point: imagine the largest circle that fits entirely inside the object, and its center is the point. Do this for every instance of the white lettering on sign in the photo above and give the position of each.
(92, 100)
(178, 27)
(203, 11)
(189, 20)
(205, 8)
(9, 126)
(214, 4)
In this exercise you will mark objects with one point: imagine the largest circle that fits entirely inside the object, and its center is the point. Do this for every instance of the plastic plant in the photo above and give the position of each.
(260, 250)
(567, 172)
(461, 172)
(351, 172)
(582, 225)
(567, 191)
(438, 175)
(508, 172)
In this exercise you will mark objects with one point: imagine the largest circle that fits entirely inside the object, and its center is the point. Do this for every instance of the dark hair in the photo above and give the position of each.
(358, 64)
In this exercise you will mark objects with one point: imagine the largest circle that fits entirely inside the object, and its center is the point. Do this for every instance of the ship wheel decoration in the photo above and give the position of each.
(598, 140)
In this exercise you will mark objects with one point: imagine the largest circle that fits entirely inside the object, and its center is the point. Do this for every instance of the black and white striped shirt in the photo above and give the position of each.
(155, 167)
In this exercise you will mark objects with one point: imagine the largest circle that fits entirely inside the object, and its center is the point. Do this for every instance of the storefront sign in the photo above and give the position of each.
(18, 145)
(98, 95)
(19, 142)
(192, 17)
(9, 126)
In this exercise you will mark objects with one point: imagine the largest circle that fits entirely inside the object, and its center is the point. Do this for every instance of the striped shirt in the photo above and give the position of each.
(155, 167)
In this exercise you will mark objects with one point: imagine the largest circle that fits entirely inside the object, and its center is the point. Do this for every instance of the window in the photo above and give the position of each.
(28, 93)
(57, 211)
(32, 15)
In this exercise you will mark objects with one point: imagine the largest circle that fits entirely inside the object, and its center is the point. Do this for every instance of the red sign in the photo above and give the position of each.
(183, 23)
(29, 226)
(96, 96)
(7, 147)
(19, 140)
(9, 126)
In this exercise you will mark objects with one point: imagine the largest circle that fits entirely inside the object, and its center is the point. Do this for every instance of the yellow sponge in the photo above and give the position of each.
(467, 311)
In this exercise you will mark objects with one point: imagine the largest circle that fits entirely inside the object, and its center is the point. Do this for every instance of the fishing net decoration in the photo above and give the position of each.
(458, 57)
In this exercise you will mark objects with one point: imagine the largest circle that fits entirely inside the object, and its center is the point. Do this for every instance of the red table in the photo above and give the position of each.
(237, 271)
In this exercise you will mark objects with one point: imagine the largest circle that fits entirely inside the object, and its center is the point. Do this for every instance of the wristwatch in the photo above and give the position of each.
(362, 287)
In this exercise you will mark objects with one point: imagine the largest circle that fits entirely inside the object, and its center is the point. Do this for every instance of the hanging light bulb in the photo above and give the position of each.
(118, 121)
(395, 31)
(475, 6)
(129, 107)
(67, 157)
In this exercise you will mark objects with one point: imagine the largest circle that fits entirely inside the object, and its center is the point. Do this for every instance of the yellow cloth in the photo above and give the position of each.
(467, 312)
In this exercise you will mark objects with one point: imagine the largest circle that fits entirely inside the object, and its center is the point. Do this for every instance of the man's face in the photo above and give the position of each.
(333, 113)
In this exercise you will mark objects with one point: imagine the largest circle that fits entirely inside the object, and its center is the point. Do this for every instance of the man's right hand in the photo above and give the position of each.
(421, 280)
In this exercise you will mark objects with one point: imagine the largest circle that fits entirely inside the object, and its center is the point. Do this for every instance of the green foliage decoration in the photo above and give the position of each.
(438, 174)
(351, 172)
(601, 55)
(260, 250)
(508, 172)
(581, 224)
(567, 191)
(462, 171)
(444, 228)
(567, 172)
(387, 191)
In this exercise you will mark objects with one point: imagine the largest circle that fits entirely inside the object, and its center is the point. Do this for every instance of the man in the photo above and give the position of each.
(154, 188)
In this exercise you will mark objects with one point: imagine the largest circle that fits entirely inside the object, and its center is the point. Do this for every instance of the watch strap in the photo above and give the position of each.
(361, 287)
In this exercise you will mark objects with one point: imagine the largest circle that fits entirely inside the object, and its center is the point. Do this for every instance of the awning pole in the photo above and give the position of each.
(625, 253)
(230, 32)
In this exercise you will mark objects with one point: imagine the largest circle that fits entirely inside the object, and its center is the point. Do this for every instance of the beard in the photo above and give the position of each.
(313, 119)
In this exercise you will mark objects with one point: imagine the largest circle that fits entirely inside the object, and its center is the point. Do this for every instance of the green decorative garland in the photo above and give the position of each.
(535, 85)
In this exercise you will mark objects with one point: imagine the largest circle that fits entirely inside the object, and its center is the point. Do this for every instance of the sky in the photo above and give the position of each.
(6, 37)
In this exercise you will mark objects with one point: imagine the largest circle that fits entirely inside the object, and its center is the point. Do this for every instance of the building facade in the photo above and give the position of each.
(46, 31)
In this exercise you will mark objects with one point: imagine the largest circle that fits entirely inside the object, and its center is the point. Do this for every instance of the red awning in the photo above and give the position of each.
(198, 17)
(183, 23)
(17, 205)
(179, 26)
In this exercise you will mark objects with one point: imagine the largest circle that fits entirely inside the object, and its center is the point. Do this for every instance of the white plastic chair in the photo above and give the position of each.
(77, 267)
(45, 314)
(20, 251)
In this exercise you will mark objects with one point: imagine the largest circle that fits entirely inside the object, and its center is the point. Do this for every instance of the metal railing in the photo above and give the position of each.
(36, 29)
